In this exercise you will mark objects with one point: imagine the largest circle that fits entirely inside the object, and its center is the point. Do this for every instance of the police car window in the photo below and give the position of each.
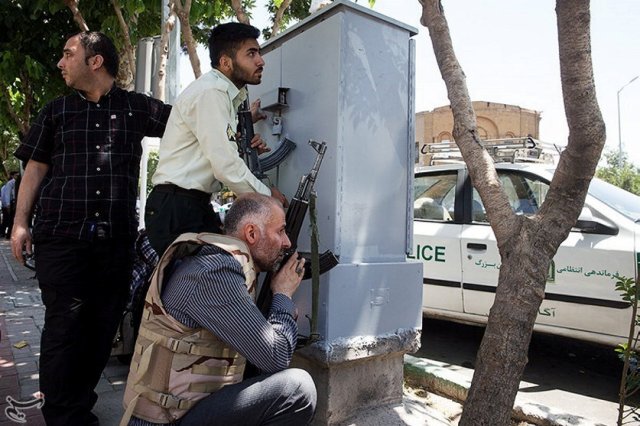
(525, 193)
(434, 196)
(617, 198)
(478, 213)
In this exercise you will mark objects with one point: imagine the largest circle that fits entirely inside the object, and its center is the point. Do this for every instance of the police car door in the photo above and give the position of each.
(580, 297)
(436, 238)
(480, 260)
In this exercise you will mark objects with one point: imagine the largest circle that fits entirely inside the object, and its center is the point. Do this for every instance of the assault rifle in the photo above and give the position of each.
(295, 216)
(258, 166)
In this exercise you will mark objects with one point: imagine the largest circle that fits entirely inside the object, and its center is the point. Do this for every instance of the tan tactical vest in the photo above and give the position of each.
(174, 366)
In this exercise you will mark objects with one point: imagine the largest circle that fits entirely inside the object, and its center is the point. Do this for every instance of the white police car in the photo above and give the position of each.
(453, 239)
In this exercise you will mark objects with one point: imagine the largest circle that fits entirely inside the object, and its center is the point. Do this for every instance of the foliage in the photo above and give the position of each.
(28, 58)
(29, 77)
(29, 51)
(8, 144)
(206, 14)
(620, 172)
(630, 382)
(152, 164)
(298, 10)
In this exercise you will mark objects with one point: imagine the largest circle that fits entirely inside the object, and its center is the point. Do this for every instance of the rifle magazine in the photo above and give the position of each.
(328, 261)
(278, 156)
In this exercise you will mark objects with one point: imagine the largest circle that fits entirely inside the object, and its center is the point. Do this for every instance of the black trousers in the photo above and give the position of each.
(84, 289)
(7, 221)
(172, 211)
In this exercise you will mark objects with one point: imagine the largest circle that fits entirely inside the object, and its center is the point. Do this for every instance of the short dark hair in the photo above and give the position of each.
(250, 205)
(225, 39)
(96, 43)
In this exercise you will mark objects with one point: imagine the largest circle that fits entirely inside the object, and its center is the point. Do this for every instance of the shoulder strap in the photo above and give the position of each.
(237, 248)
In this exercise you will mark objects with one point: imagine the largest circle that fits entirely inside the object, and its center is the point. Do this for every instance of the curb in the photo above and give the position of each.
(438, 378)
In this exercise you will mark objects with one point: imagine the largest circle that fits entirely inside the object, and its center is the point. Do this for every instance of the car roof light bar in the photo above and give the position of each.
(524, 149)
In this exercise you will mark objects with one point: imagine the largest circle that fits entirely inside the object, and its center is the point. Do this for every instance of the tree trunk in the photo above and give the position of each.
(128, 47)
(183, 11)
(526, 245)
(159, 90)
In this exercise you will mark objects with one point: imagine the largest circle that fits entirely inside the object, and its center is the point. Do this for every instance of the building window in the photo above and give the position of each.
(445, 137)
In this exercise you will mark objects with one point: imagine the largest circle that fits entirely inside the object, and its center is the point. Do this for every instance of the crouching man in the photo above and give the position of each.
(200, 324)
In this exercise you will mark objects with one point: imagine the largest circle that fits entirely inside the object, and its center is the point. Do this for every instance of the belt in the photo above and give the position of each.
(170, 188)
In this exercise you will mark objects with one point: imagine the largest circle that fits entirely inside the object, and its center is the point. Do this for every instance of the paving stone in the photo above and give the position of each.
(27, 392)
(25, 354)
(9, 386)
(26, 367)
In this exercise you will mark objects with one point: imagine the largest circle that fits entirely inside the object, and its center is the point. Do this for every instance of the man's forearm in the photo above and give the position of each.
(29, 187)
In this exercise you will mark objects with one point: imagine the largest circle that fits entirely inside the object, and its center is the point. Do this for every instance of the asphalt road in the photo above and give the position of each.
(577, 377)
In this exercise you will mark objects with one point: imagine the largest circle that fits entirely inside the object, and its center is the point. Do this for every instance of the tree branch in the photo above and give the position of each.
(587, 134)
(22, 128)
(277, 19)
(128, 47)
(77, 15)
(240, 13)
(170, 23)
(465, 129)
(183, 11)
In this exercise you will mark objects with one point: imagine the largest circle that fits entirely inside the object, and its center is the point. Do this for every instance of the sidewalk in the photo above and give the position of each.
(452, 381)
(21, 321)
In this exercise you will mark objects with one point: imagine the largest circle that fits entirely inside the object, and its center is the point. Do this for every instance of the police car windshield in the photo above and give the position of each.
(625, 202)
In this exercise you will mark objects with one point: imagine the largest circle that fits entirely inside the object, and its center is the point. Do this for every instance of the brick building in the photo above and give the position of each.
(495, 121)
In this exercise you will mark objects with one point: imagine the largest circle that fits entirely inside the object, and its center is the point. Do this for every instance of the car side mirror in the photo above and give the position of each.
(589, 224)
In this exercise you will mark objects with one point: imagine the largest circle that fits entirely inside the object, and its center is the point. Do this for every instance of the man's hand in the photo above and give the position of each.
(34, 174)
(256, 113)
(20, 238)
(288, 278)
(275, 193)
(259, 144)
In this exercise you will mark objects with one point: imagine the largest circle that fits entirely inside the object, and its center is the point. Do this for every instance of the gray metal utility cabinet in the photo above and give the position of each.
(345, 76)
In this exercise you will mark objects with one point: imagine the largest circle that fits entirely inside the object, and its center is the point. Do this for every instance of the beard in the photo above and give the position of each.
(267, 259)
(244, 75)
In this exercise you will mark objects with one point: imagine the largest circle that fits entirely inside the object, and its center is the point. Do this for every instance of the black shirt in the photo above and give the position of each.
(94, 151)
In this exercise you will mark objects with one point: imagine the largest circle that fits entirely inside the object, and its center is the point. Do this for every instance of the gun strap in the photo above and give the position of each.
(315, 268)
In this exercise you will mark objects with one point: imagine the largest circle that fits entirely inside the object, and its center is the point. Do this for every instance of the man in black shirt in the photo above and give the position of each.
(82, 158)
